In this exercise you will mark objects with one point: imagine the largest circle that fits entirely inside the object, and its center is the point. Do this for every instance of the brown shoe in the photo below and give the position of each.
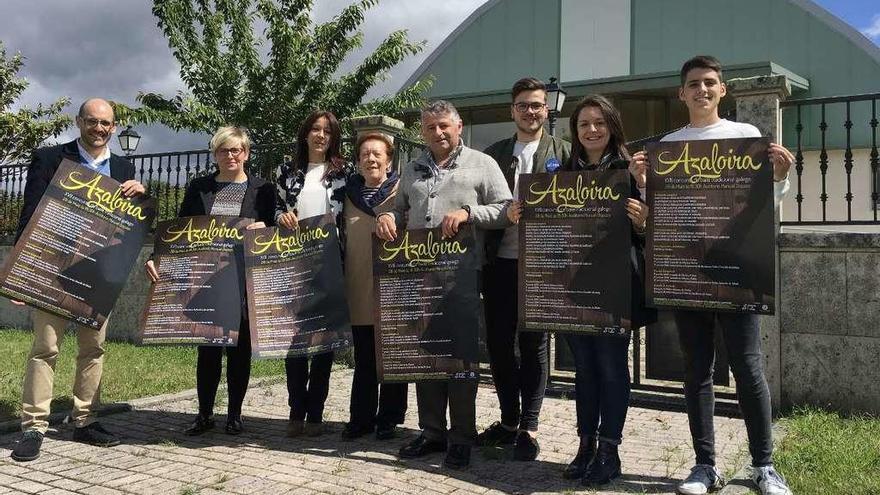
(295, 428)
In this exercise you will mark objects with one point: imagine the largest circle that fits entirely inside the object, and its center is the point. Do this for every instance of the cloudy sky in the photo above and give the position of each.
(74, 47)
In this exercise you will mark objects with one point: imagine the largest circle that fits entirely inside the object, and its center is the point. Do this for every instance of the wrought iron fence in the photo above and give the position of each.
(166, 175)
(819, 179)
(12, 182)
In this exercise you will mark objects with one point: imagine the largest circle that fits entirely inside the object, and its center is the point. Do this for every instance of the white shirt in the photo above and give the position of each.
(524, 154)
(93, 162)
(725, 129)
(313, 199)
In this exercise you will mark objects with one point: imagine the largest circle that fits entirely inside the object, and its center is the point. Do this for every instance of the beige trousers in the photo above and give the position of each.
(40, 371)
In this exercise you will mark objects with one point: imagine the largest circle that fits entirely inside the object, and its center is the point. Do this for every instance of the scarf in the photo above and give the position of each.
(355, 187)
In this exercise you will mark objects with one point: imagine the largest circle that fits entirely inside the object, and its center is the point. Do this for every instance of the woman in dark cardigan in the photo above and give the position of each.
(602, 383)
(229, 191)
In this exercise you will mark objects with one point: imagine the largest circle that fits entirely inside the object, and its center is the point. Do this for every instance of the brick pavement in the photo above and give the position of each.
(156, 458)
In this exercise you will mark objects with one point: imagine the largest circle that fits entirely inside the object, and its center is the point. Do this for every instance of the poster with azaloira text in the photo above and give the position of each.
(427, 305)
(296, 295)
(574, 258)
(199, 297)
(78, 248)
(711, 236)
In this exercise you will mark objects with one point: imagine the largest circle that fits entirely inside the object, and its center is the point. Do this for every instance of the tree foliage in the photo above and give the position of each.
(23, 130)
(269, 82)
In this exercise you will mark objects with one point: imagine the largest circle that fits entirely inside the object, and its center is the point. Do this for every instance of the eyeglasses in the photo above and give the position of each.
(230, 151)
(92, 122)
(534, 106)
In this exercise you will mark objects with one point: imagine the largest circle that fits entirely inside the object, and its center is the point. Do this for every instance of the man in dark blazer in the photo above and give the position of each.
(95, 121)
(519, 383)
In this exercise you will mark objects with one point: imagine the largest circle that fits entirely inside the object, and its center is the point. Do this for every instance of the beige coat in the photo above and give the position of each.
(359, 228)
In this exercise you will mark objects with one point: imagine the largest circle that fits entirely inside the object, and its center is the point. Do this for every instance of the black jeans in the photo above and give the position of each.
(515, 380)
(461, 396)
(366, 394)
(307, 387)
(602, 385)
(209, 366)
(742, 337)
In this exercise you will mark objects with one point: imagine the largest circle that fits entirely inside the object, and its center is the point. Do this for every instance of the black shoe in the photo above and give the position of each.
(526, 448)
(28, 447)
(583, 460)
(605, 468)
(496, 435)
(421, 447)
(234, 426)
(355, 430)
(458, 457)
(386, 431)
(200, 425)
(95, 434)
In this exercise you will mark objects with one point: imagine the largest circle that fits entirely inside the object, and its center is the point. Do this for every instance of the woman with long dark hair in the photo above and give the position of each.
(312, 184)
(602, 383)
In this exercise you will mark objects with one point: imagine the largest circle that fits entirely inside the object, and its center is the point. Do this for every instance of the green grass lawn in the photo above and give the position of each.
(824, 453)
(130, 372)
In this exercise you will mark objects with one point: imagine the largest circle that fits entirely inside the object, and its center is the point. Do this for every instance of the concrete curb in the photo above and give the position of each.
(741, 482)
(58, 418)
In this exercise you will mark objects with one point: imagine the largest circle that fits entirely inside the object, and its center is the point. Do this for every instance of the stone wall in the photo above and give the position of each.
(830, 320)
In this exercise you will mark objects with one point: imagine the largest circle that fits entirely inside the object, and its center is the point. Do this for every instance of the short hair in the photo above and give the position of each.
(439, 108)
(526, 84)
(374, 136)
(700, 62)
(230, 133)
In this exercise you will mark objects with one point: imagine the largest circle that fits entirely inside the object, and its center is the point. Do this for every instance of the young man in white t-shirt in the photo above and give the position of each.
(701, 91)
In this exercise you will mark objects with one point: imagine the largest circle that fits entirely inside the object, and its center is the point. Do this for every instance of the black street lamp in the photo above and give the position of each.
(555, 100)
(129, 140)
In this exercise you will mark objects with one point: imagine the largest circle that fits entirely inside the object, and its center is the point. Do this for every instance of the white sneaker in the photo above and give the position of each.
(769, 481)
(703, 479)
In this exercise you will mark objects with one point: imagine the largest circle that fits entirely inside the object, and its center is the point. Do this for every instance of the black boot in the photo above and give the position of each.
(586, 453)
(605, 468)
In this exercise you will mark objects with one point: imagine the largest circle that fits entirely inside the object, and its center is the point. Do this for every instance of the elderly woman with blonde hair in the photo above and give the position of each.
(231, 190)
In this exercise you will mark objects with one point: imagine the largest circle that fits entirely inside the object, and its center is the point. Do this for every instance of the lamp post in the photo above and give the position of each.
(555, 100)
(129, 140)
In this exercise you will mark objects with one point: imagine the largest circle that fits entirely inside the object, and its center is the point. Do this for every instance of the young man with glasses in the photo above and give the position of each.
(519, 383)
(95, 121)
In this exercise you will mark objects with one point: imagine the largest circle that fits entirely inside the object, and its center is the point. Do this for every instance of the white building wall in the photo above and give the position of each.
(595, 39)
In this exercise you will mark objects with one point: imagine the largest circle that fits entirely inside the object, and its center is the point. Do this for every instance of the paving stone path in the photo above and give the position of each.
(156, 457)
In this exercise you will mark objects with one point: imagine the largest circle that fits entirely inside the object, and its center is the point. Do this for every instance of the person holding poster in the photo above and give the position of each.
(312, 184)
(96, 123)
(449, 186)
(228, 191)
(519, 383)
(701, 91)
(368, 193)
(602, 381)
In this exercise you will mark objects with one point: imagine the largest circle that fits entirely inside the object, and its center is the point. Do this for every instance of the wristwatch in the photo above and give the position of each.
(468, 210)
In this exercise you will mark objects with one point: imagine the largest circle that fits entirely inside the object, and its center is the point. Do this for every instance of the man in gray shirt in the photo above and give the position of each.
(449, 186)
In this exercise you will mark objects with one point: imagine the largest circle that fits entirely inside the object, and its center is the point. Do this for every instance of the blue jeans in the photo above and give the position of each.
(602, 385)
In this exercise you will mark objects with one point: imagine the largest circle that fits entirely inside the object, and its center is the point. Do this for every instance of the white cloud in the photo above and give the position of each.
(873, 31)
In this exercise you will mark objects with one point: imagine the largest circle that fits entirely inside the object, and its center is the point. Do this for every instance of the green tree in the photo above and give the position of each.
(269, 82)
(23, 130)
